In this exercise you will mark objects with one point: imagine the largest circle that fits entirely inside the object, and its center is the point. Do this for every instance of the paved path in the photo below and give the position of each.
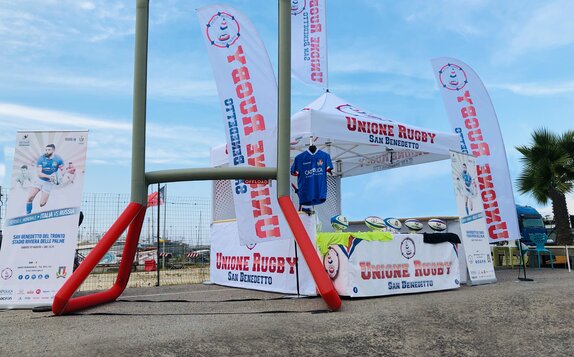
(508, 318)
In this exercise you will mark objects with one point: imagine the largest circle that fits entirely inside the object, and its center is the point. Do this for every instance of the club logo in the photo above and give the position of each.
(357, 112)
(331, 263)
(61, 273)
(24, 140)
(297, 6)
(6, 274)
(320, 162)
(251, 246)
(408, 248)
(222, 30)
(452, 77)
(350, 247)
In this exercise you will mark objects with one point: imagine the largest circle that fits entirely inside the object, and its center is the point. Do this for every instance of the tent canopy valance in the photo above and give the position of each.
(358, 141)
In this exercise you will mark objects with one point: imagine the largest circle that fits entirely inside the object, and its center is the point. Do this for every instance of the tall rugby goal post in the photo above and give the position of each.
(133, 216)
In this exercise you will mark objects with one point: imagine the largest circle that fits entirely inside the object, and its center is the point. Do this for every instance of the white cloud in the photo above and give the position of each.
(86, 5)
(25, 114)
(357, 60)
(547, 27)
(537, 89)
(111, 139)
(449, 15)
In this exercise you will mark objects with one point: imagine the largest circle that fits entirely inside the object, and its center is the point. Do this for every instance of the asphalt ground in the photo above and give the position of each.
(509, 318)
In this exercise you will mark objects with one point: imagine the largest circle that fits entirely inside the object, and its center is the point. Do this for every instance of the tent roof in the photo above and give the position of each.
(359, 141)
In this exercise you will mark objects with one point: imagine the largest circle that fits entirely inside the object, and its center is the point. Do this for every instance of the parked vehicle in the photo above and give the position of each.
(530, 222)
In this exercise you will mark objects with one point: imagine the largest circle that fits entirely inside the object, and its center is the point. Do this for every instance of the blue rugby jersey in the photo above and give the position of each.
(311, 170)
(49, 165)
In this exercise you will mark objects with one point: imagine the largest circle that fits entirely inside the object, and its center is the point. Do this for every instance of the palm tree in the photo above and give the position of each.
(548, 174)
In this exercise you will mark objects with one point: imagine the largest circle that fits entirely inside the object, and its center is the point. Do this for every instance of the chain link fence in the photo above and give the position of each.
(173, 247)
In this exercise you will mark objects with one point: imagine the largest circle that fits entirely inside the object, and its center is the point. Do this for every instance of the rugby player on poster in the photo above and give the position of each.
(47, 168)
(469, 189)
(24, 178)
(70, 174)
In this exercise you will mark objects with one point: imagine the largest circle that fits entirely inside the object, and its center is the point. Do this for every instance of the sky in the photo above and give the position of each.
(68, 64)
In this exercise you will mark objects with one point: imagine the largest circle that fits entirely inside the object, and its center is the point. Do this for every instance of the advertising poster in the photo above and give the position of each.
(248, 97)
(309, 42)
(472, 219)
(473, 119)
(42, 216)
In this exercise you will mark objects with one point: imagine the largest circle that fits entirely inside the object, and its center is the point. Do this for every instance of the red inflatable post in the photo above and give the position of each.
(133, 217)
(324, 284)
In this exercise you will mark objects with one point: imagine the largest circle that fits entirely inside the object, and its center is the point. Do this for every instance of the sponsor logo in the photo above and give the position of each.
(82, 139)
(223, 30)
(6, 292)
(6, 273)
(297, 6)
(251, 246)
(256, 182)
(331, 263)
(61, 273)
(24, 140)
(314, 171)
(408, 248)
(38, 291)
(452, 77)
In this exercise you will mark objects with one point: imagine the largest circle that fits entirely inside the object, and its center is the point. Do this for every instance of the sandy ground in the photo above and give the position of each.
(509, 318)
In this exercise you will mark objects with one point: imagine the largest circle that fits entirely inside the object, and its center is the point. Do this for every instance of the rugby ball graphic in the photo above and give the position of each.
(393, 223)
(375, 223)
(437, 224)
(339, 222)
(414, 225)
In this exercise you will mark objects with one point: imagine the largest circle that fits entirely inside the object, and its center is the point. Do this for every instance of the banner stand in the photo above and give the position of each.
(522, 263)
(474, 232)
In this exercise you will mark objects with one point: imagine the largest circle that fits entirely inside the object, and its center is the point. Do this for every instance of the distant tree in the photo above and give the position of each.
(548, 174)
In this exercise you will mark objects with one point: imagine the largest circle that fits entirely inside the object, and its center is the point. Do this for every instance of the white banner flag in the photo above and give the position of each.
(472, 117)
(41, 227)
(472, 219)
(309, 42)
(248, 94)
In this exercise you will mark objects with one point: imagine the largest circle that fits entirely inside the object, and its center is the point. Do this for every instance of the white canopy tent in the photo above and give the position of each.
(358, 141)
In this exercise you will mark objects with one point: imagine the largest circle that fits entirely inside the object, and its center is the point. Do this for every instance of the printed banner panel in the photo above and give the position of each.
(472, 219)
(472, 117)
(248, 96)
(309, 42)
(401, 266)
(42, 216)
(267, 267)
